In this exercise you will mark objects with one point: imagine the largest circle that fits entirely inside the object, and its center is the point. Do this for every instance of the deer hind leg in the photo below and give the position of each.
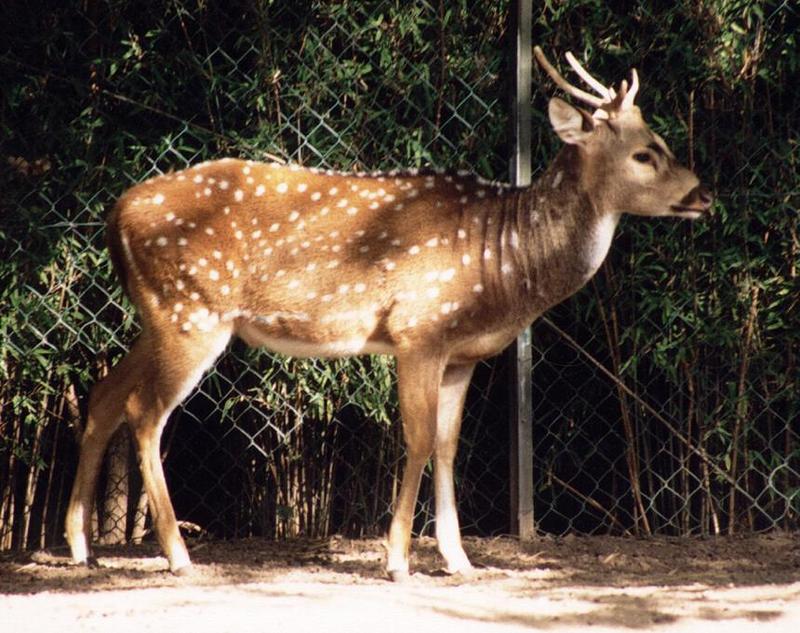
(418, 385)
(452, 393)
(174, 369)
(106, 410)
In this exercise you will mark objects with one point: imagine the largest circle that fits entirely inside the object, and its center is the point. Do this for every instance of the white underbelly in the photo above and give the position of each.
(299, 348)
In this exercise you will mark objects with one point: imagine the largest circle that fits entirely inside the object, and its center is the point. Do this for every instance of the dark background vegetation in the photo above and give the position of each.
(665, 393)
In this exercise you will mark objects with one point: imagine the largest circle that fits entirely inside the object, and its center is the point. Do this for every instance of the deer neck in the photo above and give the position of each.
(564, 238)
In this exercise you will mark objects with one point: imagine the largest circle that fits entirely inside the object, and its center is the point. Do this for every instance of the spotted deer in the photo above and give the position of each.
(440, 270)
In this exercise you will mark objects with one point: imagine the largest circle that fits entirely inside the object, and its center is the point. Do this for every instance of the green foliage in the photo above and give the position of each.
(706, 314)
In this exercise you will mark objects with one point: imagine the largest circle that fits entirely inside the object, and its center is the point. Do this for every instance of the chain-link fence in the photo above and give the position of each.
(664, 393)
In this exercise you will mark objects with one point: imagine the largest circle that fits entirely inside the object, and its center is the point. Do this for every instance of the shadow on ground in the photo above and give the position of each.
(598, 581)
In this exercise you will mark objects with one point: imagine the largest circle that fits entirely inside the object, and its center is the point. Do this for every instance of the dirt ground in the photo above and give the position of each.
(570, 584)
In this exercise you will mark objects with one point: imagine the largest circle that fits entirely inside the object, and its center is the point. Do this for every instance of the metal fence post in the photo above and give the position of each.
(521, 432)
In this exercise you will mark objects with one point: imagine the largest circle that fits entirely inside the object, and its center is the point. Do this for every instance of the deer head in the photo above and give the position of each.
(626, 165)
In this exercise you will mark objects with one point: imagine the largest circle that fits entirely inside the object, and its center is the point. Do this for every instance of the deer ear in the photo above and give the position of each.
(573, 125)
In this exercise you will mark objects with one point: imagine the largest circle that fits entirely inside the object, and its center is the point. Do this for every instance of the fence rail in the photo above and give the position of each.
(664, 394)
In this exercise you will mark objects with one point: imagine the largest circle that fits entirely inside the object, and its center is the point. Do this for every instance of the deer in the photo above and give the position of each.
(440, 270)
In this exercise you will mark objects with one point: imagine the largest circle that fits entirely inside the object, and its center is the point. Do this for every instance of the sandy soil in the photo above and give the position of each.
(570, 584)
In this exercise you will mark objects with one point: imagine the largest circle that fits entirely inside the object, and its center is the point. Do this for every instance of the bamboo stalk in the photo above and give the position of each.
(611, 328)
(685, 455)
(702, 453)
(8, 505)
(589, 501)
(33, 474)
(741, 403)
(61, 408)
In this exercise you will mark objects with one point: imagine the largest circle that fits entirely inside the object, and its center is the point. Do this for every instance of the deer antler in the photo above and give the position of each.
(603, 91)
(609, 102)
(568, 87)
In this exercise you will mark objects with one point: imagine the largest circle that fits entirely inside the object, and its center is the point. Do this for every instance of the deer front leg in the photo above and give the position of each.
(452, 394)
(418, 379)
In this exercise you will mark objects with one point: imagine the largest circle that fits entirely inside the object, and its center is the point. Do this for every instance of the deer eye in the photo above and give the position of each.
(643, 157)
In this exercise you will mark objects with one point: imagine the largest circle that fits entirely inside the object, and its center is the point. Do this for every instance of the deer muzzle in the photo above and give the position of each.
(697, 202)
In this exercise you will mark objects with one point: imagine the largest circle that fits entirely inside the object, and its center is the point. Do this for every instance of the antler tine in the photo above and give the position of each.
(562, 83)
(602, 90)
(627, 101)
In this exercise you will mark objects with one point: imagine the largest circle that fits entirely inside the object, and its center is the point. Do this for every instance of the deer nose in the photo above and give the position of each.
(698, 198)
(704, 197)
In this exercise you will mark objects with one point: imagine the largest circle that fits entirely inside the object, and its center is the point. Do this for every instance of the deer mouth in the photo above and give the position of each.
(690, 211)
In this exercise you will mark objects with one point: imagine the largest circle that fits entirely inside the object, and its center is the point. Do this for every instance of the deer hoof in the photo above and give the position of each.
(91, 562)
(400, 576)
(465, 571)
(184, 572)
